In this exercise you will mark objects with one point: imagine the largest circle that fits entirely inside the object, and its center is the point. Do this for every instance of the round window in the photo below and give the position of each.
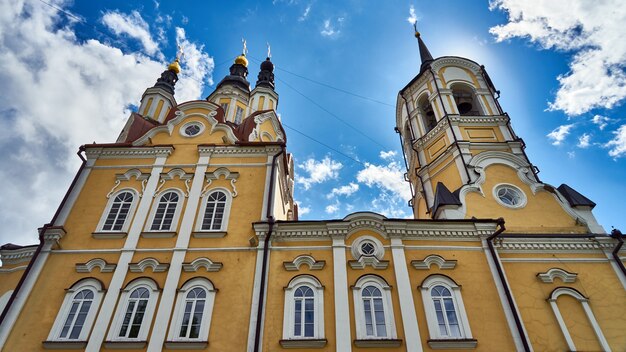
(191, 129)
(368, 248)
(509, 196)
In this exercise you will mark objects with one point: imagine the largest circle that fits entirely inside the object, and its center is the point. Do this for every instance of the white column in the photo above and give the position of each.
(407, 305)
(33, 274)
(113, 291)
(342, 311)
(159, 331)
(559, 319)
(503, 300)
(256, 289)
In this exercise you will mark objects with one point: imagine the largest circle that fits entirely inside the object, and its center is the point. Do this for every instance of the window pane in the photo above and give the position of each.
(368, 317)
(298, 318)
(127, 317)
(309, 329)
(69, 320)
(186, 316)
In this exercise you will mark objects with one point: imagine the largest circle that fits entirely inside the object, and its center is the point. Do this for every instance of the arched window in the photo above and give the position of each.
(427, 114)
(134, 311)
(165, 212)
(116, 217)
(466, 101)
(304, 311)
(445, 312)
(213, 215)
(192, 314)
(374, 312)
(78, 311)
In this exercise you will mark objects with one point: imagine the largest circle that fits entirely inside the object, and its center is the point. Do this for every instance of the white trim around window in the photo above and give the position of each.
(78, 312)
(121, 216)
(371, 293)
(167, 218)
(139, 296)
(217, 208)
(304, 294)
(194, 302)
(445, 311)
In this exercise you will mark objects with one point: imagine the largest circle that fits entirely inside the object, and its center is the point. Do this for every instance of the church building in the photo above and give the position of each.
(183, 234)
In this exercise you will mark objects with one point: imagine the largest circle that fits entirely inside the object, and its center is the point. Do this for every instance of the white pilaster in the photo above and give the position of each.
(159, 331)
(256, 289)
(342, 311)
(407, 305)
(111, 297)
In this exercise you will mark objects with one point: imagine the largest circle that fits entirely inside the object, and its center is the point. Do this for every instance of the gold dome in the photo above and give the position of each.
(241, 60)
(174, 66)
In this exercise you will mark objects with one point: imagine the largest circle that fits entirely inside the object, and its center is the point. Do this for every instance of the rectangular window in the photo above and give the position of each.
(238, 115)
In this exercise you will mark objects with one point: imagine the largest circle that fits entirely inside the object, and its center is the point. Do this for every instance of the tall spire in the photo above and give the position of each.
(266, 75)
(425, 55)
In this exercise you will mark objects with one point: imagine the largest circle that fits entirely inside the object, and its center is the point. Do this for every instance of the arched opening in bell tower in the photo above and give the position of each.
(427, 114)
(466, 101)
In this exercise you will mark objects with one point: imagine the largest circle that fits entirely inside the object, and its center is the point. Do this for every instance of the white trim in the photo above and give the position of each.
(585, 303)
(179, 310)
(202, 262)
(203, 205)
(122, 307)
(459, 308)
(385, 290)
(405, 295)
(256, 289)
(157, 200)
(438, 260)
(215, 175)
(522, 195)
(340, 284)
(129, 215)
(184, 133)
(152, 263)
(96, 289)
(289, 314)
(95, 263)
(307, 260)
(550, 275)
(4, 299)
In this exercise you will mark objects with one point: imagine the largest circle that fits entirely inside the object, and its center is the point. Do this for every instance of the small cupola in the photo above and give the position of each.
(157, 101)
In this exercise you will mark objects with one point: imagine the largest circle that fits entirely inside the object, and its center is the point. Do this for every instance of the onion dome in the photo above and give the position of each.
(241, 60)
(266, 76)
(169, 77)
(174, 66)
(238, 74)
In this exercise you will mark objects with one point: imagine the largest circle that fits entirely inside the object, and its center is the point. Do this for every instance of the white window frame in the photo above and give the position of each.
(431, 315)
(86, 284)
(184, 127)
(522, 195)
(131, 211)
(289, 311)
(385, 289)
(123, 305)
(179, 310)
(155, 206)
(200, 218)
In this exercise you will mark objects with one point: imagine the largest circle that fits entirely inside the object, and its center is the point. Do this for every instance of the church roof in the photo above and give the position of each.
(574, 198)
(443, 197)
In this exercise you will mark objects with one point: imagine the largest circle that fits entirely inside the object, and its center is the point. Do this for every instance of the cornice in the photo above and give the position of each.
(16, 256)
(440, 127)
(238, 150)
(126, 152)
(542, 245)
(478, 120)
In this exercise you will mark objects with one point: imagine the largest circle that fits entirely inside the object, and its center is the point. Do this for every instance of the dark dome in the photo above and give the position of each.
(267, 65)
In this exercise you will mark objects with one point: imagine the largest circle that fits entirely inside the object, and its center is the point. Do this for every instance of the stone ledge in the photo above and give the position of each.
(125, 345)
(303, 343)
(64, 345)
(449, 344)
(378, 343)
(209, 234)
(108, 235)
(158, 234)
(186, 345)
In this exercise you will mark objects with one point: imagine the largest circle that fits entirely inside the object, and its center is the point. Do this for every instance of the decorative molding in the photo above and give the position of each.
(215, 175)
(239, 151)
(479, 120)
(303, 343)
(427, 262)
(515, 245)
(126, 152)
(95, 263)
(550, 275)
(137, 174)
(378, 343)
(453, 344)
(202, 262)
(259, 119)
(54, 234)
(16, 256)
(175, 172)
(152, 263)
(308, 260)
(428, 137)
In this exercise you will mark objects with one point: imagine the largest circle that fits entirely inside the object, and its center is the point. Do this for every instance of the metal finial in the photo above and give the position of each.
(245, 47)
(181, 53)
(269, 51)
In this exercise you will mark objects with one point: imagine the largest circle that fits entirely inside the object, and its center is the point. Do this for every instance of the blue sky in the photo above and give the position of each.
(72, 77)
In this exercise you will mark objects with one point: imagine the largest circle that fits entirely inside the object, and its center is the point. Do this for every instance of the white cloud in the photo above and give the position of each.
(387, 155)
(305, 14)
(64, 92)
(302, 210)
(332, 208)
(385, 177)
(412, 16)
(346, 190)
(583, 141)
(592, 30)
(618, 143)
(330, 30)
(558, 134)
(134, 26)
(198, 67)
(318, 171)
(601, 121)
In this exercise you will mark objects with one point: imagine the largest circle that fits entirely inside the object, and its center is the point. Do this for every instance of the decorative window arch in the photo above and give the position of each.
(119, 211)
(445, 311)
(373, 309)
(585, 303)
(304, 310)
(193, 311)
(134, 311)
(214, 211)
(78, 311)
(165, 211)
(466, 100)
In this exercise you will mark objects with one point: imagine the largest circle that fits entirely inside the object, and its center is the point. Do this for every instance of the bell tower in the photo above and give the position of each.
(464, 159)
